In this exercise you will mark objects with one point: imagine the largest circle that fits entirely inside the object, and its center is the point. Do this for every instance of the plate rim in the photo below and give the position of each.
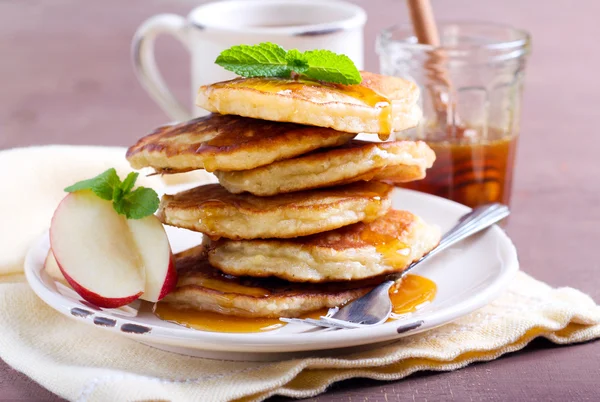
(319, 340)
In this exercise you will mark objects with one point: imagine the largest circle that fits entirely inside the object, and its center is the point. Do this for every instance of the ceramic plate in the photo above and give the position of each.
(468, 276)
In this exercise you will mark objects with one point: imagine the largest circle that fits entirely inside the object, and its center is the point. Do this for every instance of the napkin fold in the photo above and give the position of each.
(83, 363)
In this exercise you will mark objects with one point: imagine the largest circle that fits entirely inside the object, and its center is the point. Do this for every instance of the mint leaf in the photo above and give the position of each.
(102, 185)
(325, 65)
(138, 203)
(297, 61)
(263, 60)
(129, 181)
(120, 191)
(135, 204)
(271, 60)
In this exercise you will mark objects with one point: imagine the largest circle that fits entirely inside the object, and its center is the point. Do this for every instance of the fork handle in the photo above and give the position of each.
(475, 221)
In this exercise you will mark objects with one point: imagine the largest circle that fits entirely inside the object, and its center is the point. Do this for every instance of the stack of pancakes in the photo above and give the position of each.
(302, 218)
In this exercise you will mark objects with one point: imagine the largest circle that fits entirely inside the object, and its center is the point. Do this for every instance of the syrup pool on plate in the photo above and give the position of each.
(407, 296)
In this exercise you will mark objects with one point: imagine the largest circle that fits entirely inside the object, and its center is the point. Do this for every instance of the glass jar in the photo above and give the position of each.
(471, 100)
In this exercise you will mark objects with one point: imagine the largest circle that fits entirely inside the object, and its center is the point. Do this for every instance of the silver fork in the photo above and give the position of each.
(375, 307)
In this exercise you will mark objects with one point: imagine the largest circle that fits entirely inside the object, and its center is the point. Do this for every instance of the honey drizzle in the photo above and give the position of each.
(373, 208)
(231, 287)
(395, 253)
(385, 122)
(406, 297)
(413, 291)
(359, 92)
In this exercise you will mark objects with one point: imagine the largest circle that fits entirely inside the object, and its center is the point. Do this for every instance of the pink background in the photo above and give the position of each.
(66, 78)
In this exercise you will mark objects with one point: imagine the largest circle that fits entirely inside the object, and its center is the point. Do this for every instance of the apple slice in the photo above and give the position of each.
(95, 251)
(53, 270)
(110, 260)
(155, 251)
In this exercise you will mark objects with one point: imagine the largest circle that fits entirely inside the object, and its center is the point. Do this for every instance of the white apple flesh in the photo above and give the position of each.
(53, 270)
(109, 260)
(150, 237)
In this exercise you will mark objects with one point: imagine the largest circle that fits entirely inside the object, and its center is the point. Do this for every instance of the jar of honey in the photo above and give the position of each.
(471, 89)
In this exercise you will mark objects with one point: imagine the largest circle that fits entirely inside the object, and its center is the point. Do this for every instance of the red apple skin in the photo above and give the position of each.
(170, 280)
(95, 298)
(152, 243)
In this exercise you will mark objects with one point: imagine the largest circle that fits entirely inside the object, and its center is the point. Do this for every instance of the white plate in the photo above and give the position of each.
(468, 276)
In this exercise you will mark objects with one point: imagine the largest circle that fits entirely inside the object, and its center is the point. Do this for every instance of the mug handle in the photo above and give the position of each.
(144, 63)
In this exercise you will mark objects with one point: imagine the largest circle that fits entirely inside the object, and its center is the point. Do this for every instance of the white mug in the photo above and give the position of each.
(213, 27)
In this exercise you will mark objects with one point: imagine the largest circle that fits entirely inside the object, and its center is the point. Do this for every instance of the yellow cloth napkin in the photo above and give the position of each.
(79, 362)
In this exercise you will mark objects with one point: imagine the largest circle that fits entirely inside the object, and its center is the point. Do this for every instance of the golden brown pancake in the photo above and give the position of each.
(394, 162)
(356, 252)
(204, 288)
(218, 142)
(380, 104)
(212, 210)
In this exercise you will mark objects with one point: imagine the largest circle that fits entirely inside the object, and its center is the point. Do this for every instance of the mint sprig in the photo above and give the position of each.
(134, 204)
(271, 60)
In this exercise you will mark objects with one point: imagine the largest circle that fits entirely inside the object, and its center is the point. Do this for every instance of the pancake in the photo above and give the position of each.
(363, 250)
(204, 288)
(380, 104)
(218, 142)
(395, 162)
(212, 210)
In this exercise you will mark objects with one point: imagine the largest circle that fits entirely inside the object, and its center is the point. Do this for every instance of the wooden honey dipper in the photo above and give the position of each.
(423, 21)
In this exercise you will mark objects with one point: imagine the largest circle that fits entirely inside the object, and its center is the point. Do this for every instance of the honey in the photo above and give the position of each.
(471, 172)
(413, 291)
(394, 252)
(372, 209)
(231, 287)
(406, 297)
(215, 322)
(385, 122)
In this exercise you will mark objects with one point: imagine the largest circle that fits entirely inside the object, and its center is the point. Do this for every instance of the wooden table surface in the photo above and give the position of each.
(66, 78)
